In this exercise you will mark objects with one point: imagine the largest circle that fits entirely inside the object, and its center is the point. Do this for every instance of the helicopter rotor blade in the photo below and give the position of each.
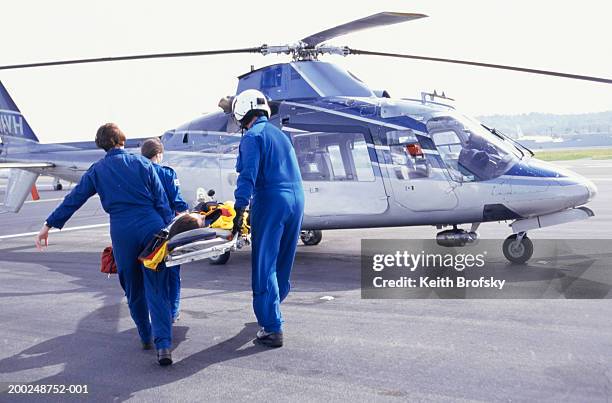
(131, 57)
(375, 20)
(487, 65)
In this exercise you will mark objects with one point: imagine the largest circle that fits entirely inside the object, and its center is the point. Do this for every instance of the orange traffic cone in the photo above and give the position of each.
(35, 195)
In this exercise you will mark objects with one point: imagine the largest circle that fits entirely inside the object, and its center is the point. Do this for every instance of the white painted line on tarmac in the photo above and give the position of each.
(56, 199)
(53, 200)
(42, 200)
(82, 227)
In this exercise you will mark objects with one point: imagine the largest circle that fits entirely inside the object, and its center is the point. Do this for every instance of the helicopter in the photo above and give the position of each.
(366, 159)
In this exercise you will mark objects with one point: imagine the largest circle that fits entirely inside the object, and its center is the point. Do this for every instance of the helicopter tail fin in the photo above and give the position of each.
(12, 122)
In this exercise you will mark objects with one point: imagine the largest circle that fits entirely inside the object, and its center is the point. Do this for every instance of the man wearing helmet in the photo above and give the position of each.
(269, 179)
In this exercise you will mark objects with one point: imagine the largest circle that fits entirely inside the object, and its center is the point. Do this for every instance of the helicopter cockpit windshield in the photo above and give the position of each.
(470, 152)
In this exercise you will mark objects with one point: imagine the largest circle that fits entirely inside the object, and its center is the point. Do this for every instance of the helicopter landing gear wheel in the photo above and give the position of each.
(219, 260)
(312, 237)
(518, 248)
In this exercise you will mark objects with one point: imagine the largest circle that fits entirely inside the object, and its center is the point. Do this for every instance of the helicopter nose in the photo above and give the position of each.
(575, 190)
(548, 189)
(580, 189)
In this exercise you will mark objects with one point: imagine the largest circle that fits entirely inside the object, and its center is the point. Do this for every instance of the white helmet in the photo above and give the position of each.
(249, 100)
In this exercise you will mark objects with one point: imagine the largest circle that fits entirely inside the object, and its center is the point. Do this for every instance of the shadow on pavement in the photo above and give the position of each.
(113, 365)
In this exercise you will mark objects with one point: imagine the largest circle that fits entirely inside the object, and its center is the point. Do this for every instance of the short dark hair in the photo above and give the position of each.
(151, 147)
(252, 114)
(185, 223)
(109, 136)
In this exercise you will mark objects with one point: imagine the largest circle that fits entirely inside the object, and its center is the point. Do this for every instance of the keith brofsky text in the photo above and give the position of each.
(426, 264)
(419, 268)
(438, 282)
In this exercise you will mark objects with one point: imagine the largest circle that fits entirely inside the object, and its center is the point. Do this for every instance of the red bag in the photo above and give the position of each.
(108, 265)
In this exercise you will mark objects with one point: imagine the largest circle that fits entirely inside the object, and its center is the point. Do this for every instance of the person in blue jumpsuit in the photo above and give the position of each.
(133, 195)
(270, 176)
(153, 149)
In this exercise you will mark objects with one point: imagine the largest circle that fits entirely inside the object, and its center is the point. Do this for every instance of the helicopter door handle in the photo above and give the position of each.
(314, 189)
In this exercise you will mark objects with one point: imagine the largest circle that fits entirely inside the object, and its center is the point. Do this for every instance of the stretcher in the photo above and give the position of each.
(202, 243)
(209, 242)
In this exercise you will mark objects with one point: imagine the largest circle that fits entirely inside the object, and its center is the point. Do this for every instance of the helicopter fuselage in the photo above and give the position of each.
(366, 161)
(373, 162)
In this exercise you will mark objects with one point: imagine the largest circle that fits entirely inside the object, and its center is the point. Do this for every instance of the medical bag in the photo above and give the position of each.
(108, 265)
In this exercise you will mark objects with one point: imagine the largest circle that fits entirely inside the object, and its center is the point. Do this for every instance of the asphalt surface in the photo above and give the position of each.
(63, 322)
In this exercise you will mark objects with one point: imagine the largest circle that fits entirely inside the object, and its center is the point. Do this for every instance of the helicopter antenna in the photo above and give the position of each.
(431, 96)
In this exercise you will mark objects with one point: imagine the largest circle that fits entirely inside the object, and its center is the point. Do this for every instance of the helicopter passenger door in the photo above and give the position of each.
(419, 180)
(337, 172)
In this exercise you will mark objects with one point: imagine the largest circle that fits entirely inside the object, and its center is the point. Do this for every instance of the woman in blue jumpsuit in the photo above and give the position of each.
(132, 194)
(153, 149)
(269, 173)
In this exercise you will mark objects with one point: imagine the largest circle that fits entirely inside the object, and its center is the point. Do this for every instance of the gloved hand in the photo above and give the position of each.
(238, 220)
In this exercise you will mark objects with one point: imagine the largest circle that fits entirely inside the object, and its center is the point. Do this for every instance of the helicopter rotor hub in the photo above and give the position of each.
(302, 51)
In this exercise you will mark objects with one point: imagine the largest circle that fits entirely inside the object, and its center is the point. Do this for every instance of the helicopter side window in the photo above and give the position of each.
(206, 142)
(470, 152)
(272, 78)
(406, 155)
(333, 157)
(173, 141)
(361, 159)
(450, 147)
(337, 165)
(229, 143)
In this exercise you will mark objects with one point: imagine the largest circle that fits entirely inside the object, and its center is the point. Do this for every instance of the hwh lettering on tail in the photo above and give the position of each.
(11, 124)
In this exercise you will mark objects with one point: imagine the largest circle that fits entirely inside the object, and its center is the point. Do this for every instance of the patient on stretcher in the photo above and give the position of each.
(189, 228)
(185, 222)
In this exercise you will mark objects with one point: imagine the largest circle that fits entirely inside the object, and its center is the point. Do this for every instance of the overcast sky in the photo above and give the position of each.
(149, 97)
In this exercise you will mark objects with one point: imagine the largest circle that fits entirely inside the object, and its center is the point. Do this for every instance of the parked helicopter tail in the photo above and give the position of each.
(15, 129)
(12, 122)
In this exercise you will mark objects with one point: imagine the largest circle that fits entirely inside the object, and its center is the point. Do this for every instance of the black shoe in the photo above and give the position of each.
(147, 346)
(164, 357)
(269, 339)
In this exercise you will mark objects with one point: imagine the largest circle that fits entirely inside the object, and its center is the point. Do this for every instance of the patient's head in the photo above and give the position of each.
(185, 223)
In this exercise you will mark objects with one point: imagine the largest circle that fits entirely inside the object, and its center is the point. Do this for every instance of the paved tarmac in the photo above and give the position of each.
(63, 322)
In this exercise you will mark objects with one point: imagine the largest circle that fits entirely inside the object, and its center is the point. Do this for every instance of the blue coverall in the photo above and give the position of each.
(269, 173)
(171, 185)
(132, 194)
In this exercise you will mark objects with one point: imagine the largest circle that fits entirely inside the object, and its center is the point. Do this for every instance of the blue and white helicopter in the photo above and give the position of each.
(367, 160)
